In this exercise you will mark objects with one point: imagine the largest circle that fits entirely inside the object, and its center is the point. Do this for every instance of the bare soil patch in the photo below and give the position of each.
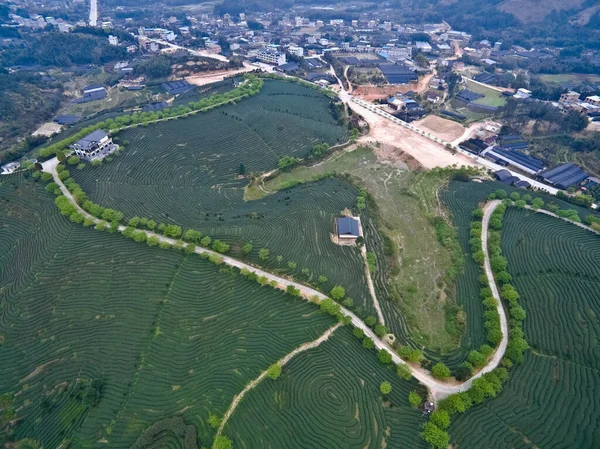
(213, 77)
(428, 153)
(440, 127)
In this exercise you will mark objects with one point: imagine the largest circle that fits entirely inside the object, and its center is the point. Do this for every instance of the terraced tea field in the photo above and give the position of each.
(186, 172)
(329, 397)
(551, 400)
(100, 337)
(461, 198)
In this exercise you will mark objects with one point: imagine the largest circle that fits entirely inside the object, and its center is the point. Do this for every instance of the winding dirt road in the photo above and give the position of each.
(438, 390)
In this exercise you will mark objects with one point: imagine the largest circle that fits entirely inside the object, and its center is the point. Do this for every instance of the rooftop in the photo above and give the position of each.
(91, 139)
(347, 226)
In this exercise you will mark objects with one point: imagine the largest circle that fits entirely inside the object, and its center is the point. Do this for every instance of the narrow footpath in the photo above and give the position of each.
(439, 390)
(281, 362)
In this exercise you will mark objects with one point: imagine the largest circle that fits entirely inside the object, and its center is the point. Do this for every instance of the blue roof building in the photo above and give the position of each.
(348, 228)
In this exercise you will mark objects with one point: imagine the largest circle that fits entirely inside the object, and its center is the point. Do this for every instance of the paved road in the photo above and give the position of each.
(438, 390)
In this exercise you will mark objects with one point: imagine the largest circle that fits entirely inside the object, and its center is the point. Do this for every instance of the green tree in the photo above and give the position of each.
(274, 371)
(440, 418)
(404, 371)
(368, 343)
(477, 359)
(205, 241)
(384, 357)
(414, 399)
(214, 421)
(247, 248)
(380, 330)
(191, 235)
(172, 231)
(220, 247)
(222, 442)
(440, 371)
(322, 279)
(190, 248)
(338, 292)
(438, 438)
(263, 254)
(358, 333)
(287, 162)
(385, 388)
(370, 321)
(292, 265)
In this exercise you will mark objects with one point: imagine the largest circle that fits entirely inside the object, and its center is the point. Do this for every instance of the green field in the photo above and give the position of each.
(151, 332)
(570, 79)
(492, 97)
(327, 398)
(551, 400)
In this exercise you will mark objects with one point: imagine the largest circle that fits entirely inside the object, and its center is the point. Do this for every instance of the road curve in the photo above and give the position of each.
(439, 390)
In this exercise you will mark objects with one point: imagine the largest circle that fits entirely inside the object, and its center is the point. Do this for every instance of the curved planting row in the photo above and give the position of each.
(108, 336)
(329, 397)
(550, 400)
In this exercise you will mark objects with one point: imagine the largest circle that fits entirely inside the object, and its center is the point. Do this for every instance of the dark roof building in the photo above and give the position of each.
(67, 119)
(501, 175)
(528, 164)
(467, 95)
(347, 227)
(95, 145)
(177, 87)
(397, 73)
(564, 176)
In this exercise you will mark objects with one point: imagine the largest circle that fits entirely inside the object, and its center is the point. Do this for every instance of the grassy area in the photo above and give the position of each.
(407, 201)
(492, 97)
(115, 97)
(460, 108)
(569, 79)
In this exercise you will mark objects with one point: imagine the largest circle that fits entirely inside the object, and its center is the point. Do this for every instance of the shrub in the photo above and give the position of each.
(193, 236)
(222, 442)
(440, 418)
(414, 399)
(440, 371)
(464, 371)
(368, 343)
(338, 292)
(380, 330)
(274, 371)
(263, 254)
(370, 321)
(384, 357)
(385, 388)
(403, 371)
(477, 359)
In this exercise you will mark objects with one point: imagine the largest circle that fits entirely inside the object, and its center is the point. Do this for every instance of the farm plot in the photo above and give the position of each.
(551, 399)
(100, 337)
(328, 397)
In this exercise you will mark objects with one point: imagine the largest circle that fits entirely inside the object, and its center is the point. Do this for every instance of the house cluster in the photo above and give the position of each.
(571, 101)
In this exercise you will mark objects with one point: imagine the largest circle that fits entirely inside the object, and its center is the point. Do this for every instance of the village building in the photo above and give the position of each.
(9, 168)
(95, 145)
(347, 228)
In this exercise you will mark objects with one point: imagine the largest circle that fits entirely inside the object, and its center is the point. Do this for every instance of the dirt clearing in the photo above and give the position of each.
(428, 153)
(213, 77)
(440, 127)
